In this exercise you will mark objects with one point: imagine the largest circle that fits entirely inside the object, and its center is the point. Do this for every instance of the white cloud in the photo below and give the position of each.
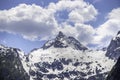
(31, 21)
(79, 11)
(86, 33)
(35, 22)
(114, 14)
(109, 29)
(86, 14)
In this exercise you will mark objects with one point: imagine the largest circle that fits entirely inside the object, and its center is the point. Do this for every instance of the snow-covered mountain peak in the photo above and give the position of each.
(65, 58)
(62, 58)
(63, 41)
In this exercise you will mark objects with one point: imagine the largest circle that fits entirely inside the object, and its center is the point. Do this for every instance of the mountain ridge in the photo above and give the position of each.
(63, 58)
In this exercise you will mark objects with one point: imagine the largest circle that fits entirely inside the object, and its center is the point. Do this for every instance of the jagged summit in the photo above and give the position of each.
(62, 41)
(113, 50)
(60, 35)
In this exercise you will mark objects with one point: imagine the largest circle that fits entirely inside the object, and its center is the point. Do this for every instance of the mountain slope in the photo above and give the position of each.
(10, 64)
(113, 50)
(69, 64)
(115, 72)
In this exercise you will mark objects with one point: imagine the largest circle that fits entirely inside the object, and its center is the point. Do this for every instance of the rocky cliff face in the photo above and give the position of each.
(115, 72)
(11, 67)
(113, 50)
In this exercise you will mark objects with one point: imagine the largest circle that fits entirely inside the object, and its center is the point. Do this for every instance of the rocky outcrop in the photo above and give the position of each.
(10, 65)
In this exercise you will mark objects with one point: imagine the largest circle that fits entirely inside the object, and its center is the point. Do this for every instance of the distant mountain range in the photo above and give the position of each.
(62, 58)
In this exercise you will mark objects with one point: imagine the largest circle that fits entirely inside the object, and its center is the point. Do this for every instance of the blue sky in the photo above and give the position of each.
(93, 20)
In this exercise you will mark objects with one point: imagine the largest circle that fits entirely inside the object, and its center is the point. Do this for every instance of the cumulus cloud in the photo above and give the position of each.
(78, 10)
(30, 21)
(106, 31)
(35, 22)
(85, 33)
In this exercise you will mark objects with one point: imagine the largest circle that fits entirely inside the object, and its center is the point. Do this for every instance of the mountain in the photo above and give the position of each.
(11, 67)
(62, 41)
(113, 50)
(115, 72)
(65, 58)
(62, 58)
